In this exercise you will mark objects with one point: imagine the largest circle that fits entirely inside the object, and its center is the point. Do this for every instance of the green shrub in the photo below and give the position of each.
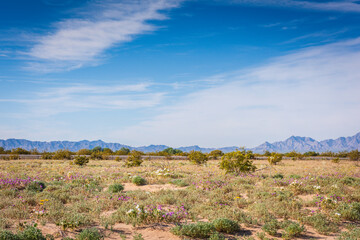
(278, 175)
(293, 230)
(81, 160)
(216, 236)
(354, 155)
(335, 160)
(122, 151)
(197, 157)
(7, 235)
(294, 176)
(137, 180)
(237, 162)
(134, 159)
(226, 225)
(321, 223)
(31, 233)
(36, 186)
(90, 234)
(215, 154)
(84, 151)
(349, 180)
(274, 158)
(271, 227)
(179, 182)
(171, 151)
(350, 212)
(115, 188)
(353, 234)
(62, 154)
(47, 156)
(195, 230)
(247, 219)
(97, 155)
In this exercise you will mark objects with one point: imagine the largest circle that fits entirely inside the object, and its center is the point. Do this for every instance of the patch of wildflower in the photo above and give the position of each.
(124, 198)
(15, 182)
(41, 209)
(156, 214)
(296, 186)
(42, 201)
(164, 172)
(324, 202)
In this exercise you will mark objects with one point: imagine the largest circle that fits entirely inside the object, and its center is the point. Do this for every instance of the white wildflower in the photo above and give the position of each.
(130, 211)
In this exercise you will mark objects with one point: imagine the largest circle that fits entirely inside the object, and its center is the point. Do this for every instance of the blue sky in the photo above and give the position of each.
(213, 73)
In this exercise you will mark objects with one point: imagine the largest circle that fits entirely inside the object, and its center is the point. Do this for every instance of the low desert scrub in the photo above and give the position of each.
(303, 194)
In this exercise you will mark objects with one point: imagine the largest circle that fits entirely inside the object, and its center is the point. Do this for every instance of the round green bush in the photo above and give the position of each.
(137, 180)
(36, 186)
(226, 225)
(90, 234)
(216, 236)
(115, 188)
(195, 230)
(31, 233)
(81, 160)
(238, 161)
(134, 159)
(7, 235)
(198, 157)
(350, 212)
(293, 230)
(271, 227)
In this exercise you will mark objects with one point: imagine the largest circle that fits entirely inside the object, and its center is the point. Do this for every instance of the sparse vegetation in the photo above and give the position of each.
(81, 160)
(134, 159)
(197, 157)
(137, 180)
(305, 194)
(237, 162)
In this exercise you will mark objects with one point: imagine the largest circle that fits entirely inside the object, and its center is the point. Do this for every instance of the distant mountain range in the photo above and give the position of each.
(299, 144)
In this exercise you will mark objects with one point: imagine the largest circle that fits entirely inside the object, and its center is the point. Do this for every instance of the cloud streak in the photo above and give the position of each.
(83, 41)
(312, 92)
(77, 98)
(336, 6)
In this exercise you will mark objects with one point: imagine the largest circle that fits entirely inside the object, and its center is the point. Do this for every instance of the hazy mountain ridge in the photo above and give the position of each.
(294, 143)
(305, 144)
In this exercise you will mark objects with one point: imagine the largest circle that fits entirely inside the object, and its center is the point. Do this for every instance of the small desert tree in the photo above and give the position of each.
(215, 154)
(354, 155)
(122, 151)
(197, 157)
(84, 151)
(81, 160)
(294, 155)
(237, 162)
(62, 154)
(172, 151)
(134, 159)
(274, 158)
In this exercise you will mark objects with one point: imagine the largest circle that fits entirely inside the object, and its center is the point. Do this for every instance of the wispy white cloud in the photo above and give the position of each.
(312, 92)
(336, 6)
(83, 40)
(77, 98)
